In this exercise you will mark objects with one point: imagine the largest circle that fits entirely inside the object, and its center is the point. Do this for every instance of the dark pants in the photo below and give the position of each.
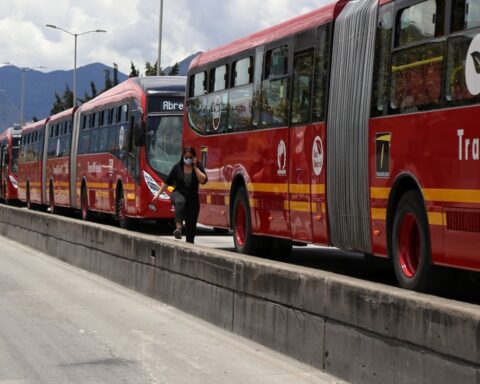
(186, 208)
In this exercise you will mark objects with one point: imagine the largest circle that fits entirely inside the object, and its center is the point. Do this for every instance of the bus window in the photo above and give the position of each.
(383, 43)
(275, 87)
(417, 78)
(242, 72)
(465, 15)
(456, 89)
(420, 22)
(302, 87)
(219, 78)
(198, 84)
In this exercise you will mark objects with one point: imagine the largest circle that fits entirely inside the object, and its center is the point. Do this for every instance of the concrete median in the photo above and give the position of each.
(359, 331)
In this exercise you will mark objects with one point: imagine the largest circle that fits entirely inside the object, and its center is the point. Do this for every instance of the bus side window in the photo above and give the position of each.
(197, 102)
(465, 15)
(274, 99)
(383, 44)
(302, 79)
(417, 63)
(240, 97)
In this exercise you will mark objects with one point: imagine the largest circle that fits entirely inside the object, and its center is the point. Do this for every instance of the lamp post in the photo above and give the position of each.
(159, 60)
(75, 35)
(22, 88)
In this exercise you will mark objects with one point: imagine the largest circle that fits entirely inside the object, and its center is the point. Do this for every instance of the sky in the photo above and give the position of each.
(132, 29)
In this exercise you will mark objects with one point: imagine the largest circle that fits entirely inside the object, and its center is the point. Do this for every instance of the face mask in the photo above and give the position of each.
(187, 161)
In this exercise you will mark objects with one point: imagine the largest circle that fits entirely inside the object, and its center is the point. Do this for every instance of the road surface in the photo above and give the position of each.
(60, 324)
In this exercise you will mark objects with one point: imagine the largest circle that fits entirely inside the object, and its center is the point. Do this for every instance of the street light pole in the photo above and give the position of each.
(159, 60)
(75, 35)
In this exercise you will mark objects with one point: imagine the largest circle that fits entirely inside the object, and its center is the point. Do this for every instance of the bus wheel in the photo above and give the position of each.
(84, 204)
(29, 203)
(121, 211)
(243, 239)
(51, 200)
(411, 245)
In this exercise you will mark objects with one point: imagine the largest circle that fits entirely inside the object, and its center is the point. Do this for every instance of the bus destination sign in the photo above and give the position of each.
(160, 104)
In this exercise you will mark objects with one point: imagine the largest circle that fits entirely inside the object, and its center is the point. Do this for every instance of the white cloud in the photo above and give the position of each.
(132, 28)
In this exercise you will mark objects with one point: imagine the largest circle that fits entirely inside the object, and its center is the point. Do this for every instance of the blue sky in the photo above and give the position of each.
(132, 28)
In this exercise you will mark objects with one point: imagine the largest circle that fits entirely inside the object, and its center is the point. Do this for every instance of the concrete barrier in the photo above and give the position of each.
(359, 331)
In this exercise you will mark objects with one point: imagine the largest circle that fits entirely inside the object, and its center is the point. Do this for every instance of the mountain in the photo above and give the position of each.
(9, 113)
(182, 65)
(40, 89)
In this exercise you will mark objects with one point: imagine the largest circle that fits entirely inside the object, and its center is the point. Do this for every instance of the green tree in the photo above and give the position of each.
(94, 92)
(108, 80)
(115, 74)
(62, 102)
(134, 72)
(150, 70)
(175, 69)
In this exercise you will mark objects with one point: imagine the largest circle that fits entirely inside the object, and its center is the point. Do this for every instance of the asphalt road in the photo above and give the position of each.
(60, 324)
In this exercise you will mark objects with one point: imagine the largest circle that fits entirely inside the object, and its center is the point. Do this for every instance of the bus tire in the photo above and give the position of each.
(84, 204)
(245, 242)
(121, 210)
(51, 200)
(411, 250)
(29, 202)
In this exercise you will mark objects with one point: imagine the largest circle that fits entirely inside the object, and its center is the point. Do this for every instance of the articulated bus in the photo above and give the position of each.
(9, 144)
(354, 126)
(109, 155)
(30, 164)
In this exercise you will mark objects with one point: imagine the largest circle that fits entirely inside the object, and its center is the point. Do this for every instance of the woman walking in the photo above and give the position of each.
(185, 177)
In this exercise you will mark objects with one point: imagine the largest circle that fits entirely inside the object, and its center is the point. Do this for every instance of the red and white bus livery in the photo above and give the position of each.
(355, 126)
(9, 147)
(109, 155)
(128, 139)
(30, 164)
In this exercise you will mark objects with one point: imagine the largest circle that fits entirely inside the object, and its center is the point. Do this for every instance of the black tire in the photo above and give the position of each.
(411, 249)
(51, 200)
(121, 211)
(29, 202)
(84, 204)
(245, 242)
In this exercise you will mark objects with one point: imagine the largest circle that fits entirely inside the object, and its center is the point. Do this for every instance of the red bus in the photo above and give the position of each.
(55, 176)
(352, 126)
(125, 142)
(30, 164)
(110, 155)
(9, 145)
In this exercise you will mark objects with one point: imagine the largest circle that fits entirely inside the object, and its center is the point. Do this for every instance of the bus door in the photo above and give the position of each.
(300, 147)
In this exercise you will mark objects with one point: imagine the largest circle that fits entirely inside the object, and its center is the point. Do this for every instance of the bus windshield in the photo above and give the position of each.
(164, 142)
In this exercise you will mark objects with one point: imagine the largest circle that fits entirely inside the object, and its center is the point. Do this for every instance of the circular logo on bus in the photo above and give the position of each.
(472, 66)
(317, 156)
(217, 113)
(282, 158)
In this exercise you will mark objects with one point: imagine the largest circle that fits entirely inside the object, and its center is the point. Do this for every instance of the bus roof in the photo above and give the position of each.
(298, 24)
(137, 87)
(59, 115)
(33, 125)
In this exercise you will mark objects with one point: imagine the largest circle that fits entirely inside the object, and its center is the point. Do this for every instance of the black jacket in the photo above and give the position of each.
(176, 179)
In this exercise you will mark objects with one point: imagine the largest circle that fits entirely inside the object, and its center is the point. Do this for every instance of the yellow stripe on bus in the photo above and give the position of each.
(471, 196)
(378, 214)
(437, 218)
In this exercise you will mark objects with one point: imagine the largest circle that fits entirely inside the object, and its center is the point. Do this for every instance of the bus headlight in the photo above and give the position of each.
(13, 181)
(154, 187)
